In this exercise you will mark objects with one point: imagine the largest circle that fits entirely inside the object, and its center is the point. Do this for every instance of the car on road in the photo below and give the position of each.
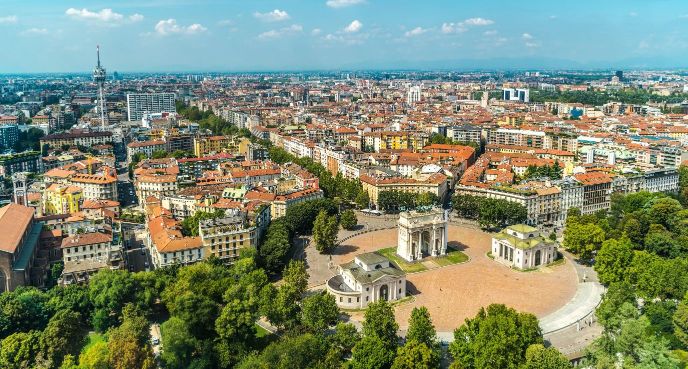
(155, 341)
(143, 251)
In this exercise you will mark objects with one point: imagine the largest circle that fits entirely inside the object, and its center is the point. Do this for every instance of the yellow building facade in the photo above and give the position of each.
(204, 146)
(60, 199)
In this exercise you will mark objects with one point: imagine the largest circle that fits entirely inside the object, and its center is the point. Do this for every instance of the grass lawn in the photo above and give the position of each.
(261, 332)
(391, 254)
(92, 339)
(453, 257)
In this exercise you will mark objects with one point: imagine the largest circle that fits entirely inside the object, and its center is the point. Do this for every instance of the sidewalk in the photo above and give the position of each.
(588, 296)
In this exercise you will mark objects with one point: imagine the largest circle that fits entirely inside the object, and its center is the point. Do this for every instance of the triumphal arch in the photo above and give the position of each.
(422, 233)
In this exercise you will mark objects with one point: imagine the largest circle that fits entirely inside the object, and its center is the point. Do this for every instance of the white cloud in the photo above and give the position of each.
(453, 27)
(273, 16)
(463, 26)
(277, 33)
(35, 32)
(415, 32)
(529, 40)
(343, 3)
(170, 27)
(316, 31)
(684, 16)
(632, 14)
(553, 17)
(478, 22)
(225, 22)
(491, 32)
(348, 39)
(8, 19)
(105, 15)
(353, 27)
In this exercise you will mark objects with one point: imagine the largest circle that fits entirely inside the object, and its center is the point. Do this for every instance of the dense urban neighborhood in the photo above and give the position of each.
(532, 218)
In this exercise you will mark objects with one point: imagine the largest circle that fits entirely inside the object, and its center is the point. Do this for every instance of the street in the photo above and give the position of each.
(156, 339)
(138, 258)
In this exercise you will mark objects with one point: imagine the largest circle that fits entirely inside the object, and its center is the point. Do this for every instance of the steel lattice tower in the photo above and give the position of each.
(99, 77)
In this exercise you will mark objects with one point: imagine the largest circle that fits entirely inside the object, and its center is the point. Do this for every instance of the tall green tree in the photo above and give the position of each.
(95, 356)
(372, 352)
(325, 230)
(378, 346)
(583, 239)
(128, 345)
(109, 291)
(539, 357)
(379, 322)
(680, 321)
(284, 310)
(614, 257)
(497, 337)
(319, 311)
(416, 355)
(64, 335)
(421, 328)
(180, 344)
(362, 199)
(348, 220)
(19, 350)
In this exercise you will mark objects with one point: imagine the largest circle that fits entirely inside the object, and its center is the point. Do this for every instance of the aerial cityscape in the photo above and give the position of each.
(355, 184)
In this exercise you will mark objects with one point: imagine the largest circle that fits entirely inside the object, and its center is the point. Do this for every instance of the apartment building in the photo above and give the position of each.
(97, 186)
(168, 246)
(60, 199)
(149, 103)
(226, 237)
(597, 188)
(85, 254)
(77, 138)
(28, 161)
(282, 202)
(147, 148)
(465, 133)
(205, 146)
(436, 184)
(156, 186)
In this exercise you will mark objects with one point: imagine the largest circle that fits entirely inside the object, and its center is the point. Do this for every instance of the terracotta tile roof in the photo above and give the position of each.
(146, 143)
(167, 237)
(59, 173)
(93, 178)
(14, 219)
(593, 178)
(85, 239)
(98, 204)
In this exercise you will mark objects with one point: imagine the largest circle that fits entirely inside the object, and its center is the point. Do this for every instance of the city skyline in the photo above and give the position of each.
(180, 35)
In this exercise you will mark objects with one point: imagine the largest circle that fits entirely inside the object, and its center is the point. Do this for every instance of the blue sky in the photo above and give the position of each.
(239, 35)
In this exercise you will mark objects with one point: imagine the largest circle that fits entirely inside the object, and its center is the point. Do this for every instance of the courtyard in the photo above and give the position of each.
(455, 292)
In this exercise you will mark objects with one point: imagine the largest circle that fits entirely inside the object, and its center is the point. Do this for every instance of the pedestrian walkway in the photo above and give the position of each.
(588, 296)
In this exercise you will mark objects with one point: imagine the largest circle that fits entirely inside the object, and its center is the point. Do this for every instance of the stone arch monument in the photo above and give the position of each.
(422, 233)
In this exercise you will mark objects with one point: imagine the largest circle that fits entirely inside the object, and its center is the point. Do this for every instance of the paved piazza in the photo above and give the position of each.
(456, 292)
